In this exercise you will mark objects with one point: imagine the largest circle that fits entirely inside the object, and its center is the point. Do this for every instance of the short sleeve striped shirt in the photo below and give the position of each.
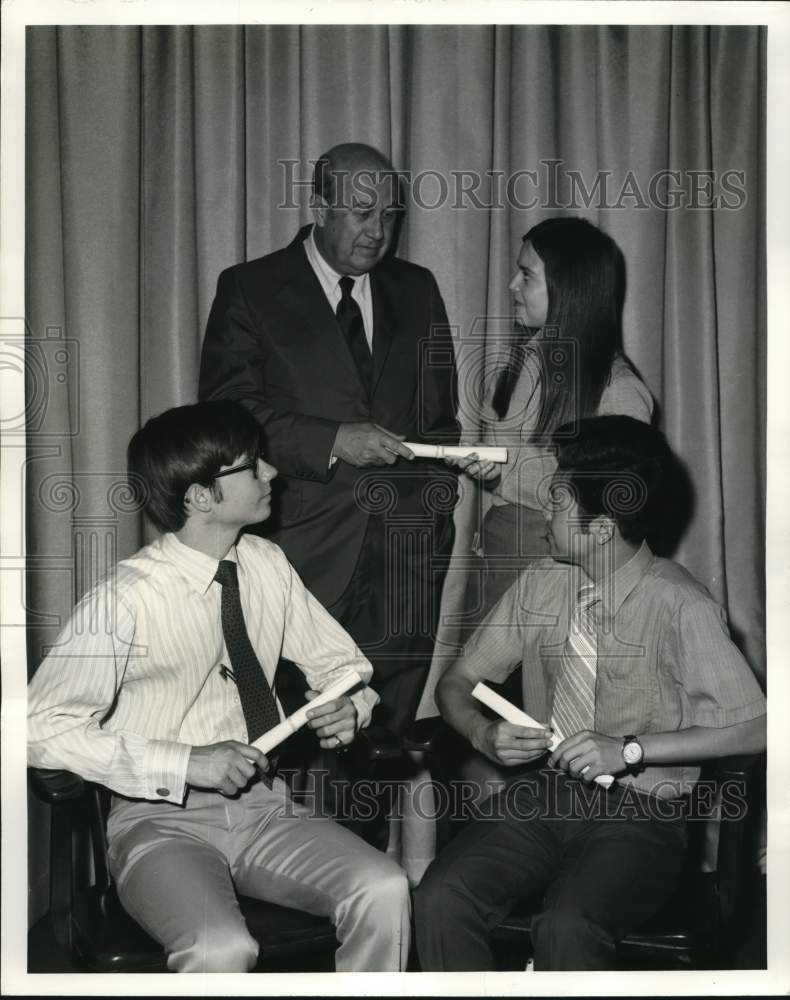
(665, 660)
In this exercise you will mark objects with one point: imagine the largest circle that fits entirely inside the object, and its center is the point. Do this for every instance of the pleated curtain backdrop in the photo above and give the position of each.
(157, 156)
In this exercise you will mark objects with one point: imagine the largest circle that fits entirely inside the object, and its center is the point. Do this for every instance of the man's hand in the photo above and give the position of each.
(335, 722)
(587, 754)
(509, 744)
(368, 444)
(226, 766)
(473, 467)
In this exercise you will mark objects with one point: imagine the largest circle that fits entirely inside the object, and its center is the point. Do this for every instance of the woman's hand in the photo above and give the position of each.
(474, 467)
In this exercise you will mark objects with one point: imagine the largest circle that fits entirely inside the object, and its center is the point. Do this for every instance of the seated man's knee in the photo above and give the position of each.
(438, 893)
(372, 917)
(563, 921)
(430, 893)
(381, 888)
(216, 949)
(569, 937)
(388, 888)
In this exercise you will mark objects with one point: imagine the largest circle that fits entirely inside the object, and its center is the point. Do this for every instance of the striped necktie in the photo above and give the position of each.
(257, 699)
(573, 709)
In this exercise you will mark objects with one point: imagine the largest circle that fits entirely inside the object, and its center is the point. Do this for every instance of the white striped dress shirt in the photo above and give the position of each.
(149, 639)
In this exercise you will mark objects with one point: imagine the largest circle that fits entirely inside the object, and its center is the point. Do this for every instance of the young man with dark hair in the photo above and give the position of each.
(628, 660)
(162, 680)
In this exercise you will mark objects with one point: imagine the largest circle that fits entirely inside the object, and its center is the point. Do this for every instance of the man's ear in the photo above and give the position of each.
(198, 499)
(319, 208)
(602, 528)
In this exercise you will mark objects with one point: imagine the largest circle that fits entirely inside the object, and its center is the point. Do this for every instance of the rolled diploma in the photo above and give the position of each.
(510, 713)
(274, 736)
(483, 452)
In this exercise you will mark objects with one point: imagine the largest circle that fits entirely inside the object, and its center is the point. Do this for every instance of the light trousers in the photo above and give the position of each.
(176, 868)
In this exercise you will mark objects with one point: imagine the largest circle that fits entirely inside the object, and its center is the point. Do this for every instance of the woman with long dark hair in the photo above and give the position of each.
(568, 364)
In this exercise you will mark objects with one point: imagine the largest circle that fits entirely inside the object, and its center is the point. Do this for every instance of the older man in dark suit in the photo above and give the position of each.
(342, 351)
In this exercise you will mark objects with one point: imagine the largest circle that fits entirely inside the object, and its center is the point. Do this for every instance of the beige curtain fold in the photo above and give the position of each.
(156, 156)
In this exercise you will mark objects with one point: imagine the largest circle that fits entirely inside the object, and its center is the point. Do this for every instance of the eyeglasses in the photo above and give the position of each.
(239, 468)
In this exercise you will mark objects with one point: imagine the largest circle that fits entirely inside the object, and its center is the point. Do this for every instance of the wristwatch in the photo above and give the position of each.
(632, 751)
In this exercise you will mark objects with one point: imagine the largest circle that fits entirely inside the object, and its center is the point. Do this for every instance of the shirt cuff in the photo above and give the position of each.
(165, 770)
(364, 701)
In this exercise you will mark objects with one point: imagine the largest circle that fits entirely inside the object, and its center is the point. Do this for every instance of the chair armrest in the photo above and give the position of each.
(377, 743)
(736, 766)
(56, 786)
(737, 778)
(68, 823)
(424, 733)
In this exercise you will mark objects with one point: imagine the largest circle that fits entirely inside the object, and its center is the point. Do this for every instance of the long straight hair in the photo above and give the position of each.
(585, 279)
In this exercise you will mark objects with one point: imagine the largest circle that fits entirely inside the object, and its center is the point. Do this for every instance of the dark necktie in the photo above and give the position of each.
(257, 700)
(350, 319)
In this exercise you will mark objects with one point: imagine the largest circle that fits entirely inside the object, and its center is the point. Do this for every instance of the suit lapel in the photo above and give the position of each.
(383, 311)
(301, 294)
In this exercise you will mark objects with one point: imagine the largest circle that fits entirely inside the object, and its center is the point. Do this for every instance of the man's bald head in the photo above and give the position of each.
(355, 206)
(353, 162)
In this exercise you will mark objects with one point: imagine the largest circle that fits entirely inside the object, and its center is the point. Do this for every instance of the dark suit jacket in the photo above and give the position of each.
(273, 343)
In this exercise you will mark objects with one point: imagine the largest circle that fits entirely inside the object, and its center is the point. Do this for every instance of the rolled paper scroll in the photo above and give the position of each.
(274, 736)
(483, 452)
(510, 713)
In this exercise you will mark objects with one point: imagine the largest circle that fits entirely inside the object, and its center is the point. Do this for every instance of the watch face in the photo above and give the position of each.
(632, 753)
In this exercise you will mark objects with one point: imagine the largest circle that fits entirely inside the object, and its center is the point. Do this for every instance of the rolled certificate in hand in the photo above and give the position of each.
(483, 452)
(274, 736)
(510, 713)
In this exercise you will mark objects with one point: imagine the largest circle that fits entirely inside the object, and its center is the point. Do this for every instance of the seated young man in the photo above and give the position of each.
(161, 681)
(627, 659)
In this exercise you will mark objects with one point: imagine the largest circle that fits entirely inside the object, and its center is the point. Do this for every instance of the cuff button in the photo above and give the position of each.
(164, 792)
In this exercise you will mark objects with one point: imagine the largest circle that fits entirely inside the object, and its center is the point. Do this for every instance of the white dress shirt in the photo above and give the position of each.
(149, 638)
(330, 282)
